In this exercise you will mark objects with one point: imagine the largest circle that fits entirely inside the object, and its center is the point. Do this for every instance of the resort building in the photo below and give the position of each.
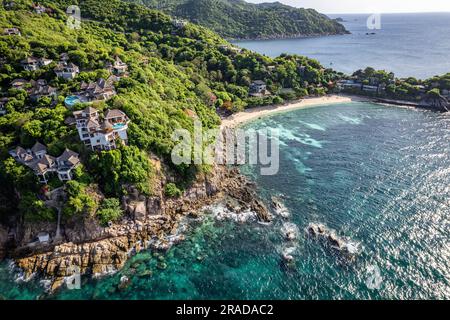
(64, 57)
(35, 88)
(66, 162)
(230, 49)
(349, 84)
(368, 88)
(66, 70)
(19, 83)
(39, 88)
(118, 68)
(11, 32)
(258, 88)
(98, 91)
(37, 8)
(33, 64)
(102, 134)
(43, 164)
(179, 23)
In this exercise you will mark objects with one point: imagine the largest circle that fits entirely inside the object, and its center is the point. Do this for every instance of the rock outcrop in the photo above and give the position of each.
(151, 222)
(435, 102)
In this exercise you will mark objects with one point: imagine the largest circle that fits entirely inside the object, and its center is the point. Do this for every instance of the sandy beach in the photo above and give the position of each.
(258, 112)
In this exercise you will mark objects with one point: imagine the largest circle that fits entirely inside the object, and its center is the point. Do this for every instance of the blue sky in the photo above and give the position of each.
(368, 6)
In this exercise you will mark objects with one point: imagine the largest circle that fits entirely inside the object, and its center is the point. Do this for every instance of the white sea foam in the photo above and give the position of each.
(282, 211)
(290, 231)
(286, 134)
(313, 126)
(221, 213)
(350, 119)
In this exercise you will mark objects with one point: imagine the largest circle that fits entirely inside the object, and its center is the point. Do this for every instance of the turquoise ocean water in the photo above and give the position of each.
(377, 175)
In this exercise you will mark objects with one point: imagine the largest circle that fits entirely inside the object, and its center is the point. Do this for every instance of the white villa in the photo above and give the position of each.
(66, 70)
(179, 23)
(35, 88)
(98, 91)
(349, 84)
(258, 88)
(11, 32)
(119, 68)
(33, 64)
(43, 164)
(102, 134)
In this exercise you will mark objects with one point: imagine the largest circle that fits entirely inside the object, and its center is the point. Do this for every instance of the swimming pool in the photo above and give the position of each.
(119, 126)
(70, 101)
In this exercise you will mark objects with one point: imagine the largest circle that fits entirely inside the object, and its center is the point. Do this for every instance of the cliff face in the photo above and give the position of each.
(151, 223)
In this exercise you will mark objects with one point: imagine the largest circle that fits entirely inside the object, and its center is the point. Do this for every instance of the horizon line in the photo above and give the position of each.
(395, 12)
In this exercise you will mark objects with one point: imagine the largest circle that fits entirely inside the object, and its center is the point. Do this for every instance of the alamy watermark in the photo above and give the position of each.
(228, 146)
(374, 280)
(374, 22)
(74, 17)
(73, 281)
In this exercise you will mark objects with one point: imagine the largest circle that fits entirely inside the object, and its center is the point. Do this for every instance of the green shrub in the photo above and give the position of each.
(173, 191)
(109, 211)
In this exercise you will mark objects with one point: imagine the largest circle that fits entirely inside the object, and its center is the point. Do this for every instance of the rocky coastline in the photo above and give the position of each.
(287, 36)
(153, 223)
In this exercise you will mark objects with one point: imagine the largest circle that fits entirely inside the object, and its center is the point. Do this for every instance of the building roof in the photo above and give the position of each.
(29, 60)
(43, 164)
(114, 113)
(19, 151)
(38, 147)
(90, 110)
(92, 124)
(258, 82)
(18, 82)
(69, 156)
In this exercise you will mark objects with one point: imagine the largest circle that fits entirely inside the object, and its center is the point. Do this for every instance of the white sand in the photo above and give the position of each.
(258, 112)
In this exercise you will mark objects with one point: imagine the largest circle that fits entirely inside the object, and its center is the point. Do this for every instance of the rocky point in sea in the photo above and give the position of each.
(151, 222)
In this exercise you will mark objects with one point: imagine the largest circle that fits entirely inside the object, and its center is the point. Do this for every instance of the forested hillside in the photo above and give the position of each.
(237, 19)
(175, 75)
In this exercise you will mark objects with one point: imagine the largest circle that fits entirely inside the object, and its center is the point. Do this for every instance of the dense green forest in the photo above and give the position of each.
(237, 19)
(176, 74)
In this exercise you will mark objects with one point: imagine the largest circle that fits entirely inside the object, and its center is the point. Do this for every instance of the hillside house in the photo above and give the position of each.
(102, 133)
(19, 84)
(66, 70)
(258, 88)
(349, 84)
(118, 68)
(11, 32)
(33, 64)
(43, 164)
(39, 88)
(98, 91)
(179, 23)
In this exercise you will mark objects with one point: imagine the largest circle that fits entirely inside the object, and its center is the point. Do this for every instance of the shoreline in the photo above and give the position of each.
(252, 114)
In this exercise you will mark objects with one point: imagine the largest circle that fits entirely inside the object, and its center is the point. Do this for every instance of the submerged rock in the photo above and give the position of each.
(279, 208)
(329, 236)
(124, 283)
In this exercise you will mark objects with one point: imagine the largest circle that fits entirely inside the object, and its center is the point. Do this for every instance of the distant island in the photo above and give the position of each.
(238, 20)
